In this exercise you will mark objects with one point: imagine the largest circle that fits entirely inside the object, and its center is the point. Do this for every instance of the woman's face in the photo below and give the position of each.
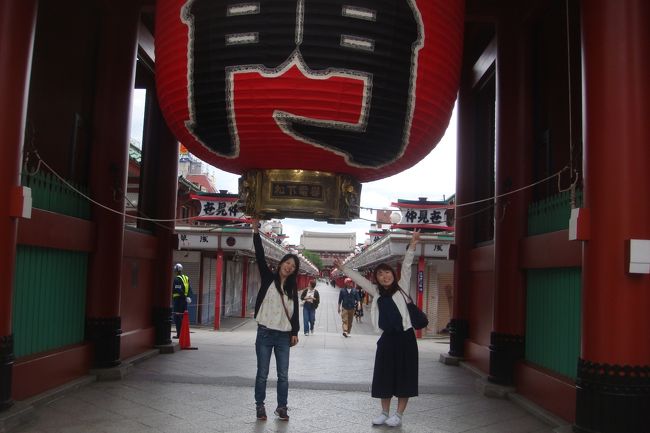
(287, 267)
(385, 277)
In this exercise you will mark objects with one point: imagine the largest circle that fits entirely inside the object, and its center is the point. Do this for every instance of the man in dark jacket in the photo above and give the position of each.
(348, 298)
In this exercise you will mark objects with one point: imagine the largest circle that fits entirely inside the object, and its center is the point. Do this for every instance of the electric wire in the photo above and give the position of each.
(189, 219)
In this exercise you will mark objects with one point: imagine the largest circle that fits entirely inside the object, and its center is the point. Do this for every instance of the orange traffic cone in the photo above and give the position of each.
(184, 339)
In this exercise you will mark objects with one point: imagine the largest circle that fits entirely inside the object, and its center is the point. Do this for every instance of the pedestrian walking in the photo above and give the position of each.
(348, 298)
(358, 311)
(276, 312)
(311, 299)
(396, 358)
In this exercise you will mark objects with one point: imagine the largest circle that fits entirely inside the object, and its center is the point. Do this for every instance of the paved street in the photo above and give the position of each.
(211, 389)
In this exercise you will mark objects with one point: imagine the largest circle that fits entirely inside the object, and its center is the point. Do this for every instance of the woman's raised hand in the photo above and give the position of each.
(415, 238)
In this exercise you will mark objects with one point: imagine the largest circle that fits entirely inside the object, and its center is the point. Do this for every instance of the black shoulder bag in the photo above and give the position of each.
(418, 318)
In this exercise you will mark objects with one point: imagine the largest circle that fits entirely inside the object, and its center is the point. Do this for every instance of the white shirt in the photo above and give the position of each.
(309, 296)
(271, 313)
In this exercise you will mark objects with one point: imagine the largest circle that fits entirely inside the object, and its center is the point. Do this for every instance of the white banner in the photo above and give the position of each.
(220, 208)
(198, 242)
(440, 218)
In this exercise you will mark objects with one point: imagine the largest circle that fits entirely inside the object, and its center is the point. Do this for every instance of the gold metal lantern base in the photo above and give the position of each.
(316, 195)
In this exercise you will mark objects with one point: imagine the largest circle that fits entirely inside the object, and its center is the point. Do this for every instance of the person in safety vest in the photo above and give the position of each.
(181, 296)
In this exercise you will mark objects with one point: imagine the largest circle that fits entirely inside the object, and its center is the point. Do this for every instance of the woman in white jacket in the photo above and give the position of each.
(396, 360)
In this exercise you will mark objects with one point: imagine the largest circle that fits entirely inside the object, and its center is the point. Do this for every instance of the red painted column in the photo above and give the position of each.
(108, 174)
(17, 28)
(162, 183)
(613, 392)
(217, 291)
(244, 286)
(513, 171)
(465, 178)
(420, 292)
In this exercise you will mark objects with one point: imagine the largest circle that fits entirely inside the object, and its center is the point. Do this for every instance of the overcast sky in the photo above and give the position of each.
(433, 177)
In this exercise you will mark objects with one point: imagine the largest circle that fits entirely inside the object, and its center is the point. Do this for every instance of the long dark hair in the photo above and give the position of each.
(290, 284)
(393, 288)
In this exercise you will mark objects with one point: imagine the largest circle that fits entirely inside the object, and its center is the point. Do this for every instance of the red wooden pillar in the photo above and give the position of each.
(108, 174)
(17, 28)
(162, 183)
(463, 237)
(513, 141)
(244, 286)
(217, 291)
(420, 292)
(613, 385)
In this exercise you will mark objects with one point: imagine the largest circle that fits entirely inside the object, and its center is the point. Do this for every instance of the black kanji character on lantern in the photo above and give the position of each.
(221, 210)
(225, 36)
(423, 217)
(410, 215)
(208, 208)
(436, 217)
(233, 210)
(375, 40)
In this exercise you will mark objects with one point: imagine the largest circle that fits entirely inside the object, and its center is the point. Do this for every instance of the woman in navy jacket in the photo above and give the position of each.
(396, 359)
(276, 312)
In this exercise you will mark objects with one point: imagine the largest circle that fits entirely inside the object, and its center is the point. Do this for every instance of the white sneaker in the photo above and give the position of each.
(394, 421)
(380, 419)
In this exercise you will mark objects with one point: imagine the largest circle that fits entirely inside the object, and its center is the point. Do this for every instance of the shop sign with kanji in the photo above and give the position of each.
(197, 241)
(425, 216)
(215, 208)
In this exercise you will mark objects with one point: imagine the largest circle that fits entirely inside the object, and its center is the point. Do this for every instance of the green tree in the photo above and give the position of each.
(314, 258)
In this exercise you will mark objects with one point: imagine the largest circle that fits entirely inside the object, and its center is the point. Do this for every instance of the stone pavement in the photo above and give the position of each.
(211, 390)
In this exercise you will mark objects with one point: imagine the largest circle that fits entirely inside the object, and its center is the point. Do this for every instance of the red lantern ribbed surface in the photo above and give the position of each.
(357, 87)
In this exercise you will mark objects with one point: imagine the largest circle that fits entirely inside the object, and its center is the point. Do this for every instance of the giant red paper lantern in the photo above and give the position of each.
(357, 87)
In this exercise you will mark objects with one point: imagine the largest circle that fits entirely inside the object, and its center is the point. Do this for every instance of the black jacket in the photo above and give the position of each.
(316, 297)
(267, 277)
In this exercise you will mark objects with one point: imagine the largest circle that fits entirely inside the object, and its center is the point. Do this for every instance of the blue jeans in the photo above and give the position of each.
(269, 340)
(308, 317)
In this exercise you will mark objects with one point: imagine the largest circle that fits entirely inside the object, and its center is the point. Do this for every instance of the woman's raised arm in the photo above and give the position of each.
(357, 278)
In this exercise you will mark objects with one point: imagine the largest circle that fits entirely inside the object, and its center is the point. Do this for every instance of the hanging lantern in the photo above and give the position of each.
(307, 98)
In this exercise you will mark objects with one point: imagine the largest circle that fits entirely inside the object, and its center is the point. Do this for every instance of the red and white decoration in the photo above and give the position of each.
(309, 84)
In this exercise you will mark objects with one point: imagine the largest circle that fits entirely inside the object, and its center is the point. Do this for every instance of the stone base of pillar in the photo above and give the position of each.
(493, 390)
(505, 350)
(447, 359)
(104, 333)
(162, 322)
(6, 369)
(458, 332)
(612, 398)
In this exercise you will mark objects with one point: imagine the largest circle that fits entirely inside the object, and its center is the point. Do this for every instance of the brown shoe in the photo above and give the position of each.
(281, 412)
